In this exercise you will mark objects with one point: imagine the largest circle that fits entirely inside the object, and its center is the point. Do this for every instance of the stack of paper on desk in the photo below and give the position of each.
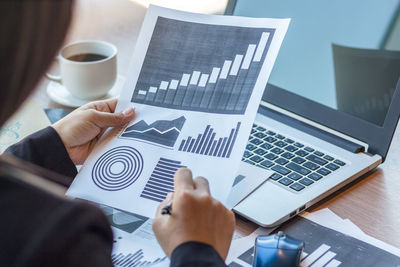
(134, 240)
(329, 241)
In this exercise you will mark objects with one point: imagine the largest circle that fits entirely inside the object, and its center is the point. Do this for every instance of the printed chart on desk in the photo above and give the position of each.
(195, 87)
(134, 240)
(327, 247)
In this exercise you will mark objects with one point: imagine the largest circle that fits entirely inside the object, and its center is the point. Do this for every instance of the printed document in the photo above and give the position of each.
(195, 82)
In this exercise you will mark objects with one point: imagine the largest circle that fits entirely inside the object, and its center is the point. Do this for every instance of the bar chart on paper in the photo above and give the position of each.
(206, 143)
(322, 256)
(134, 259)
(201, 67)
(161, 181)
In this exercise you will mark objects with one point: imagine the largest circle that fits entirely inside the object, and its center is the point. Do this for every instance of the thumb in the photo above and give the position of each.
(106, 119)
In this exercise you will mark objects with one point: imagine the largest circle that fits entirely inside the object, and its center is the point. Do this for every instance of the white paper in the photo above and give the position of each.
(347, 227)
(323, 217)
(134, 240)
(249, 179)
(201, 126)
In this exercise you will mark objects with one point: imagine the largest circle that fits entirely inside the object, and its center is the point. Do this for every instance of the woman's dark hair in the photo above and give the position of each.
(31, 32)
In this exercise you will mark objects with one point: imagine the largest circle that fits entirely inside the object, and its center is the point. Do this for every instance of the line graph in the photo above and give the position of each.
(201, 67)
(161, 132)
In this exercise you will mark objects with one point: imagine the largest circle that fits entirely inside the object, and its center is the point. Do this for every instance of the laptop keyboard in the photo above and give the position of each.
(295, 165)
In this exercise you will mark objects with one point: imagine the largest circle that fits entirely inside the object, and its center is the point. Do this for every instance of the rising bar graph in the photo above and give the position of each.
(201, 67)
(161, 181)
(134, 259)
(206, 143)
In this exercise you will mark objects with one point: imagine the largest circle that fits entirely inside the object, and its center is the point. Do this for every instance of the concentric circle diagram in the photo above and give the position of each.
(118, 168)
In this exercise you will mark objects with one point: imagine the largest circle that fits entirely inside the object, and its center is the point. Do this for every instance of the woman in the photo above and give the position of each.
(39, 228)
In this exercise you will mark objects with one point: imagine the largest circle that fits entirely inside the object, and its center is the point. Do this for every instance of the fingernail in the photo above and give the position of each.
(127, 112)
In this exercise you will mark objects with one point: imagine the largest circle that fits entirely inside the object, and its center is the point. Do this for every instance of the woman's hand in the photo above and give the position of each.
(81, 129)
(195, 216)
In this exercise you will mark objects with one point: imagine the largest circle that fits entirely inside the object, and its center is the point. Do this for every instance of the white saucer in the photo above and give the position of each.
(61, 95)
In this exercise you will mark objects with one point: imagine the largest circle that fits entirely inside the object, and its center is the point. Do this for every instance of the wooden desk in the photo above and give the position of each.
(373, 203)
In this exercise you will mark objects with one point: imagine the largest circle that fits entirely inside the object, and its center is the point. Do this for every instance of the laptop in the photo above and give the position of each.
(332, 104)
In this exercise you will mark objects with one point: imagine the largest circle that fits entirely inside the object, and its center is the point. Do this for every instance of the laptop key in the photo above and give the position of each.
(253, 130)
(276, 150)
(250, 162)
(339, 162)
(311, 165)
(297, 168)
(327, 157)
(247, 154)
(287, 155)
(319, 153)
(332, 167)
(298, 144)
(280, 143)
(266, 146)
(323, 171)
(271, 156)
(256, 159)
(295, 176)
(309, 149)
(316, 159)
(291, 148)
(260, 128)
(271, 133)
(276, 176)
(261, 166)
(270, 139)
(298, 160)
(260, 135)
(305, 181)
(281, 161)
(280, 169)
(279, 136)
(285, 181)
(289, 141)
(267, 163)
(260, 151)
(301, 153)
(251, 147)
(315, 176)
(256, 141)
(297, 187)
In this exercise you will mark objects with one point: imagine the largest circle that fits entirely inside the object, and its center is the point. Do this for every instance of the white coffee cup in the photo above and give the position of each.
(88, 69)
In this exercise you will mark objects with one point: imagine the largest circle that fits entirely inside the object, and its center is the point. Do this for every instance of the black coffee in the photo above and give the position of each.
(88, 57)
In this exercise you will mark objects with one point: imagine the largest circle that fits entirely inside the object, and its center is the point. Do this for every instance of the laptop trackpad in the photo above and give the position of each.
(268, 204)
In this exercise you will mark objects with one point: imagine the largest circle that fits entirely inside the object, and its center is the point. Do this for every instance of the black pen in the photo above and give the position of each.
(166, 210)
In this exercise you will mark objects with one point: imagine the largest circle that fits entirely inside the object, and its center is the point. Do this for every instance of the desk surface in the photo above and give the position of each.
(373, 203)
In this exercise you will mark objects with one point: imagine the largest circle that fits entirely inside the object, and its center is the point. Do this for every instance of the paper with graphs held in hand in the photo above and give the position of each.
(195, 82)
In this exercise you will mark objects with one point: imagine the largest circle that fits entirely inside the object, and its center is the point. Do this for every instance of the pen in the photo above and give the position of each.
(166, 210)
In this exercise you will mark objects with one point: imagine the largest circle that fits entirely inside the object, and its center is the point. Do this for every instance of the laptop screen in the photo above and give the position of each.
(344, 54)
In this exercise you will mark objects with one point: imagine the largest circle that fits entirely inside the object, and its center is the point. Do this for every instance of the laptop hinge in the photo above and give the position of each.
(312, 130)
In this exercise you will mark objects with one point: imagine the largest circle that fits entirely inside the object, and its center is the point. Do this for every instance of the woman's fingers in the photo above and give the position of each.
(201, 185)
(183, 180)
(106, 119)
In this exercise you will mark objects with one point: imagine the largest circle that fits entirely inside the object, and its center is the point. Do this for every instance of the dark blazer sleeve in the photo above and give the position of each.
(76, 235)
(195, 254)
(45, 148)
